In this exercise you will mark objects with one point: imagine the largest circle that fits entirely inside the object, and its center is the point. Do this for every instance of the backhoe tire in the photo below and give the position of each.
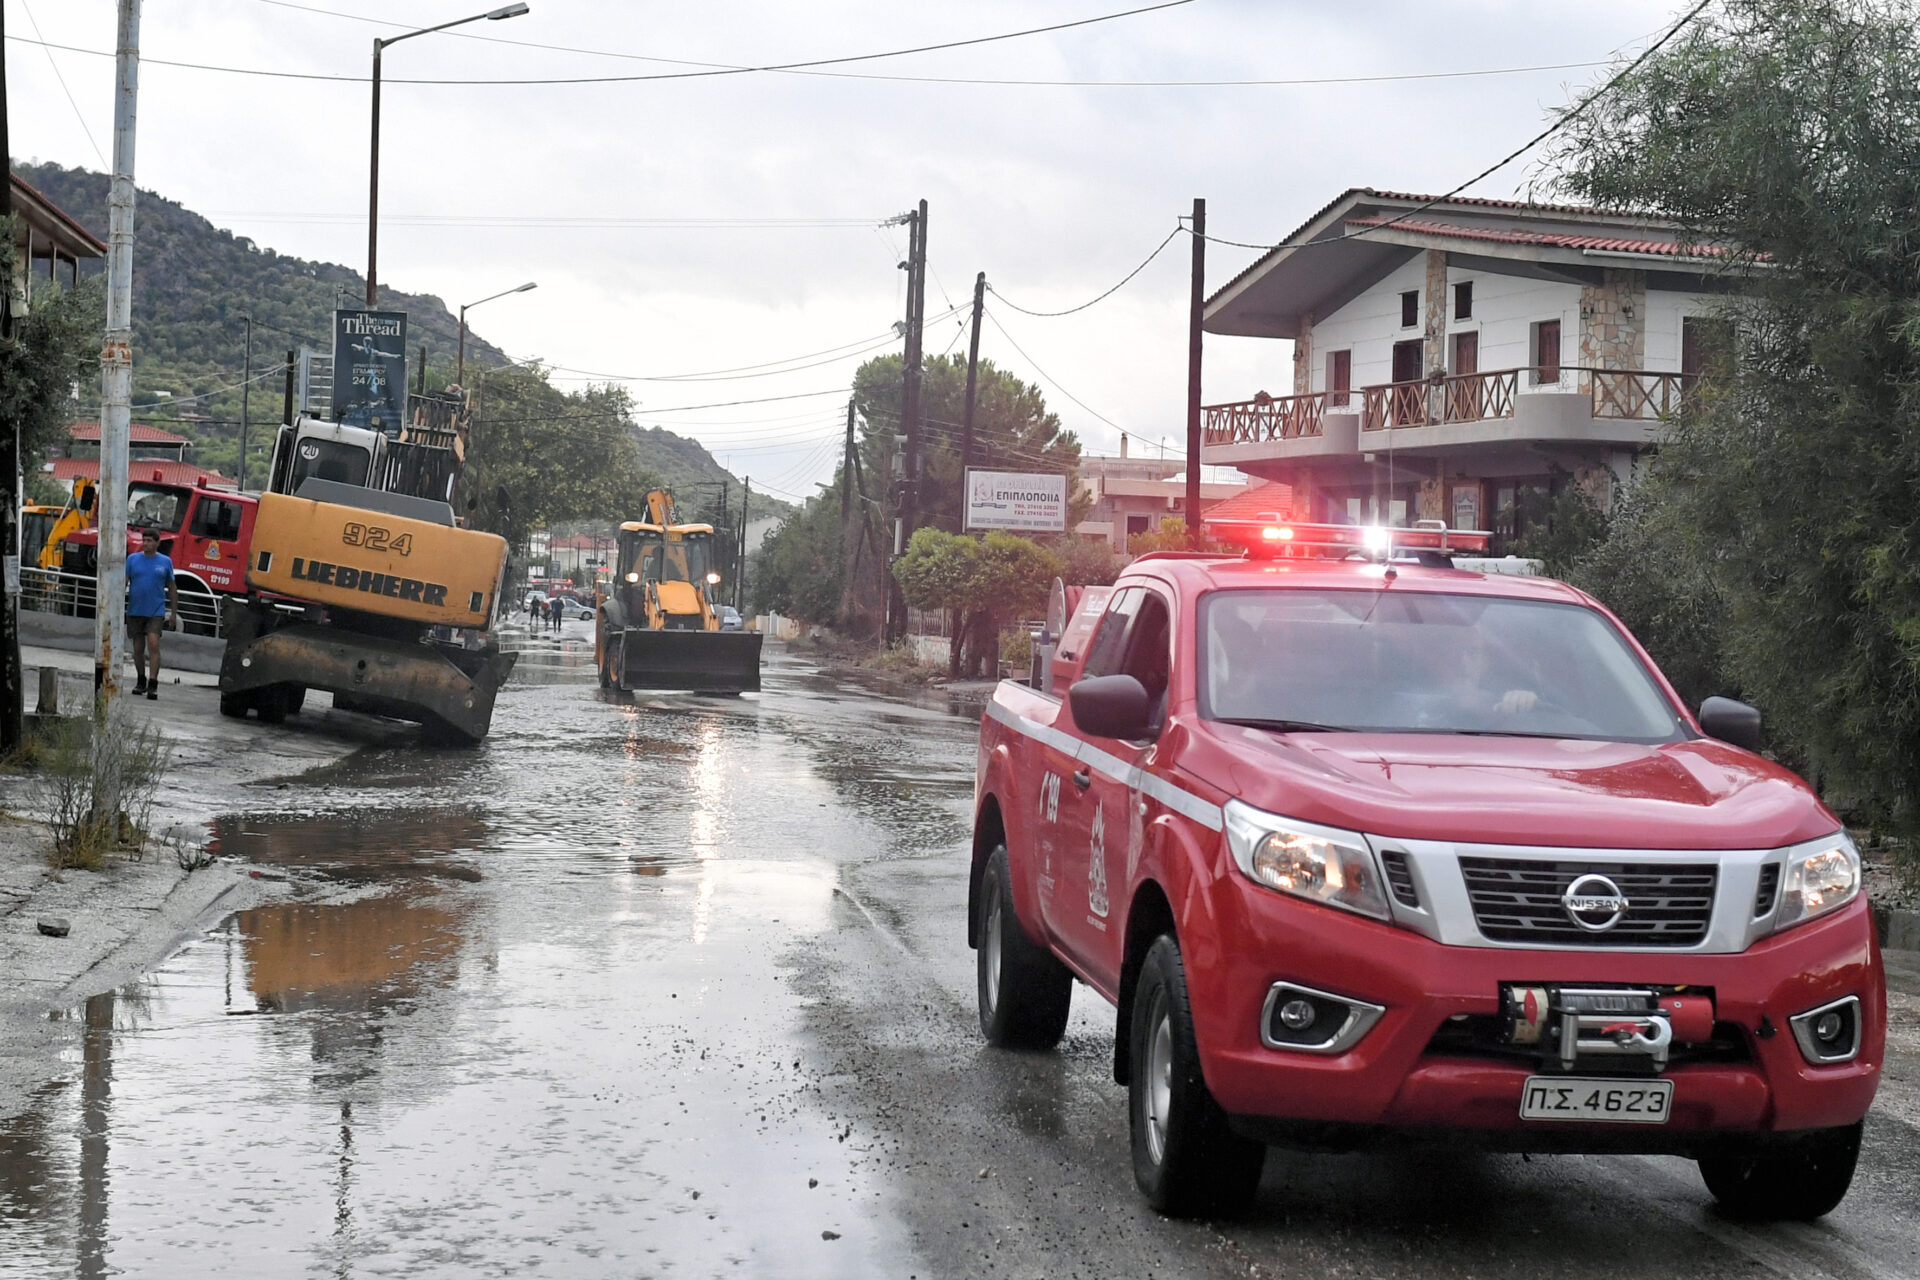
(1186, 1160)
(1024, 991)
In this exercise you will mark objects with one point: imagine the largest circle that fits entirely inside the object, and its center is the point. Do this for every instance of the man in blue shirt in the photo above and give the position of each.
(150, 605)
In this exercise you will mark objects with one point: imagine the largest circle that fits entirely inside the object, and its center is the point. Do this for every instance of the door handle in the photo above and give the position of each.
(1083, 778)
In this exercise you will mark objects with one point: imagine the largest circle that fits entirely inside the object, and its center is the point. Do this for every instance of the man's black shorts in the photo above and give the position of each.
(139, 625)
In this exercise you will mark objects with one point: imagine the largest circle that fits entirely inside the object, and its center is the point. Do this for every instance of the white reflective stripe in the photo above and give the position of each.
(1178, 799)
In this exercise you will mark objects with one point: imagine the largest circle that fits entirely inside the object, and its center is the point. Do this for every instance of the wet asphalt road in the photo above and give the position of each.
(679, 987)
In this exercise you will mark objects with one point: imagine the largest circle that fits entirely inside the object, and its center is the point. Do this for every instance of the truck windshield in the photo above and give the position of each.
(1417, 662)
(152, 507)
(329, 460)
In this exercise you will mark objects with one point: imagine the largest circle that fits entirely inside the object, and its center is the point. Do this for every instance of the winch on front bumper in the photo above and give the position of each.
(1629, 1030)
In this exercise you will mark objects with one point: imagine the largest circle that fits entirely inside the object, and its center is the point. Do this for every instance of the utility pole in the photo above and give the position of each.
(740, 578)
(910, 412)
(116, 360)
(12, 680)
(286, 408)
(1194, 316)
(973, 377)
(246, 385)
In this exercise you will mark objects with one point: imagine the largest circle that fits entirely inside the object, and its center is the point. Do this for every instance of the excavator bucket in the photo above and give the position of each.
(694, 661)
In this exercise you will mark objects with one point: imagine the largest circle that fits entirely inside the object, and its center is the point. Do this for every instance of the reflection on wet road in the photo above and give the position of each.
(679, 986)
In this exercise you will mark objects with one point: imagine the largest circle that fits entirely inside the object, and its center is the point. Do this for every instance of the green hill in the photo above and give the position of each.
(192, 283)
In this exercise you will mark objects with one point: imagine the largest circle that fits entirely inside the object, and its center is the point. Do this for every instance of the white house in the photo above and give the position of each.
(1448, 358)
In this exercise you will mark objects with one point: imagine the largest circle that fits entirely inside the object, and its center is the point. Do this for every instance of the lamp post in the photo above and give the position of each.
(460, 377)
(373, 177)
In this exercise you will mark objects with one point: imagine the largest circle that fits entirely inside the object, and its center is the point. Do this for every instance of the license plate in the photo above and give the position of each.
(1607, 1101)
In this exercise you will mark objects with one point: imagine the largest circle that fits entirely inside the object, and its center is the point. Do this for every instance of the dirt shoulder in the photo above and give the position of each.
(125, 917)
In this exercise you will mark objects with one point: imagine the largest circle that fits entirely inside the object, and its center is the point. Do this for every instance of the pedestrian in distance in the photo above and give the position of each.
(151, 604)
(555, 609)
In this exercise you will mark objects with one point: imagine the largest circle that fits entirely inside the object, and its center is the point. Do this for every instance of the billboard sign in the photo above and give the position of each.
(1034, 502)
(370, 369)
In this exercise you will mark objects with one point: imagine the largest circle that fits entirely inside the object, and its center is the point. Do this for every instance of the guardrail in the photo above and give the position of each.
(73, 594)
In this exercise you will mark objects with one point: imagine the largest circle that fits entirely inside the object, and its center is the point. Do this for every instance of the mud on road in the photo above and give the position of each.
(679, 986)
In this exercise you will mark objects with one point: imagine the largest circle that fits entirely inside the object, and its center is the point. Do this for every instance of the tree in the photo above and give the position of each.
(553, 456)
(979, 581)
(797, 570)
(1013, 430)
(57, 348)
(1781, 135)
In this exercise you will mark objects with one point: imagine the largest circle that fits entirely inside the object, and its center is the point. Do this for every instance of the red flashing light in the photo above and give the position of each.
(156, 475)
(1277, 533)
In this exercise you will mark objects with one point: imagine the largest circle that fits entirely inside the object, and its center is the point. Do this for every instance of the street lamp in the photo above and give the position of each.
(373, 179)
(460, 377)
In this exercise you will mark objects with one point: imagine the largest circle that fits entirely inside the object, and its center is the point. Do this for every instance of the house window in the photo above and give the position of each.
(1706, 347)
(1546, 352)
(1137, 524)
(1339, 376)
(1463, 300)
(1409, 308)
(1407, 357)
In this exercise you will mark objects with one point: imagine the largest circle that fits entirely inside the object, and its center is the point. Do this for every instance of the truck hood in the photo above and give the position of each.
(1699, 794)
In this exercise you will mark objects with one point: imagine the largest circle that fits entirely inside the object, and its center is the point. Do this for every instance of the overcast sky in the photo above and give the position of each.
(667, 221)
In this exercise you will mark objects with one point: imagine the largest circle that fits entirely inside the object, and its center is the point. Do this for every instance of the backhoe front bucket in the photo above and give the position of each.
(694, 661)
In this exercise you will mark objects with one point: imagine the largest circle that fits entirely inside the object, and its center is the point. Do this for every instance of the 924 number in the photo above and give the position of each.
(375, 538)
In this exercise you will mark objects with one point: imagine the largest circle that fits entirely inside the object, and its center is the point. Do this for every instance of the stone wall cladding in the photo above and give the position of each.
(1303, 360)
(1613, 322)
(1436, 312)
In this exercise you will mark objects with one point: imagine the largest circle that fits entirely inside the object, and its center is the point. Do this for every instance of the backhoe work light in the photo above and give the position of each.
(633, 577)
(713, 579)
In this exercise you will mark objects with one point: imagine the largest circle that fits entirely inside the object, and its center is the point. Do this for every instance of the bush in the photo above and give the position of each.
(95, 788)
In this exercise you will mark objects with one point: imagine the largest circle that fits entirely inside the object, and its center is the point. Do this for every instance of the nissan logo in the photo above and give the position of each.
(1594, 903)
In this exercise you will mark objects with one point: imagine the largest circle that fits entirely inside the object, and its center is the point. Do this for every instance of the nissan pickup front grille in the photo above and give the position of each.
(1566, 903)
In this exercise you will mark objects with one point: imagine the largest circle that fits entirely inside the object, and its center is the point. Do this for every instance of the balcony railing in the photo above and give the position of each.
(1635, 395)
(1266, 418)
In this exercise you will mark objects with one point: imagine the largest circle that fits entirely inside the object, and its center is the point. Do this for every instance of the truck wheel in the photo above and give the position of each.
(296, 698)
(234, 705)
(1024, 990)
(1186, 1160)
(271, 702)
(1798, 1181)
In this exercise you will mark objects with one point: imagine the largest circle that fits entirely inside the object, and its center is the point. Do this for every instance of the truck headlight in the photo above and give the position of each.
(1820, 876)
(1321, 864)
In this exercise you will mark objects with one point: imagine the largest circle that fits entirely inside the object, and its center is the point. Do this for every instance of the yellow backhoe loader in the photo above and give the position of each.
(658, 628)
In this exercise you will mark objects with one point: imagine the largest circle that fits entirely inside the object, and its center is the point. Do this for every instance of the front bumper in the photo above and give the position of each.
(1395, 1080)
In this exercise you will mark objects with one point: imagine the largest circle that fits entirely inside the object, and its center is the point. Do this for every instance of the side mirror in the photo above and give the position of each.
(1111, 707)
(1731, 721)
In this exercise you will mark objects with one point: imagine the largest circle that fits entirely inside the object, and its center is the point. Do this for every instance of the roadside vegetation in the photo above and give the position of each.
(93, 786)
(1771, 549)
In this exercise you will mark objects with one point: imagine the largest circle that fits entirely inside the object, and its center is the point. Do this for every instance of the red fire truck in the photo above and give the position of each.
(205, 531)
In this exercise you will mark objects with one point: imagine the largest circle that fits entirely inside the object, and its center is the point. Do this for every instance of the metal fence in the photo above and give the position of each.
(72, 594)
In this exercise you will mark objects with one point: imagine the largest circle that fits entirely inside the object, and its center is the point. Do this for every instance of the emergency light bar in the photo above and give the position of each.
(1265, 539)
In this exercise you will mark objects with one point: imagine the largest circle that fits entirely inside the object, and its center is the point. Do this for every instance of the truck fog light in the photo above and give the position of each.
(1310, 1021)
(1830, 1033)
(1296, 1015)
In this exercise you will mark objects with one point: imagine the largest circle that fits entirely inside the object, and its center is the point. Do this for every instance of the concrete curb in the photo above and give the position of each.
(178, 651)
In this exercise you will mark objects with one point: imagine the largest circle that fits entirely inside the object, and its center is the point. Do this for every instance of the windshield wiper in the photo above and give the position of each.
(1285, 726)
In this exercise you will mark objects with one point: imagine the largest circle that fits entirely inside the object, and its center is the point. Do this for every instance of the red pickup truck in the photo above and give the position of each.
(1364, 848)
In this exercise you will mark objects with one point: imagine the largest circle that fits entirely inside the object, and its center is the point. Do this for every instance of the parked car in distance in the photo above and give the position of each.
(730, 619)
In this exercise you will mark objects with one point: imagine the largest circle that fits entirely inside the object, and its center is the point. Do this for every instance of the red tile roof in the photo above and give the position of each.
(163, 470)
(1271, 499)
(1547, 239)
(138, 433)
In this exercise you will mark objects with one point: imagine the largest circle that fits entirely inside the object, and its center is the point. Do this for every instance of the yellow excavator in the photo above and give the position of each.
(657, 627)
(360, 582)
(44, 528)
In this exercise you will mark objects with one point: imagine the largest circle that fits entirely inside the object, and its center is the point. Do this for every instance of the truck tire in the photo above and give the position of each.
(271, 703)
(1801, 1180)
(296, 698)
(1186, 1160)
(235, 705)
(1024, 991)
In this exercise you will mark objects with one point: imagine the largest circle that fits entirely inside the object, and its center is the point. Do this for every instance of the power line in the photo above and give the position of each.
(84, 127)
(1043, 373)
(1558, 124)
(968, 80)
(703, 73)
(1103, 297)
